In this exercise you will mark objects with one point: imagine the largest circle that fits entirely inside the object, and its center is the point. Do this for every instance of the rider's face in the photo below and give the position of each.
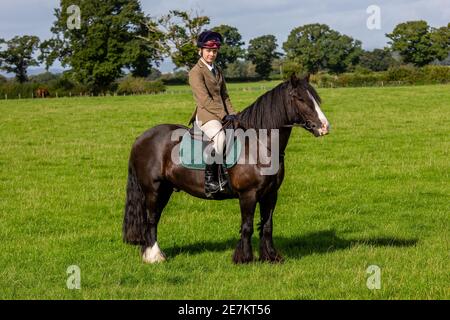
(209, 55)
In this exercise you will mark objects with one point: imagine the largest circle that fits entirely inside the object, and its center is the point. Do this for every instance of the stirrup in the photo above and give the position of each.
(221, 180)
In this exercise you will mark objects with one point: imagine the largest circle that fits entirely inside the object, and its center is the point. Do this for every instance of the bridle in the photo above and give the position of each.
(307, 124)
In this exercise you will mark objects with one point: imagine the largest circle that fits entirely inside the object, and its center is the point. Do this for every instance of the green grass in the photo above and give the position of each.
(373, 192)
(231, 87)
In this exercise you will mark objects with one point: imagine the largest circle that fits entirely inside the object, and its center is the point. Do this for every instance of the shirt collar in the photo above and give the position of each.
(206, 63)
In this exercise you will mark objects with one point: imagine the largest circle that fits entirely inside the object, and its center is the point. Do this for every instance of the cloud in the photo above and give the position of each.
(253, 17)
(31, 17)
(258, 17)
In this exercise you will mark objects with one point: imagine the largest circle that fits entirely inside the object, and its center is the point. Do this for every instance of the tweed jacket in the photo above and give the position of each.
(210, 94)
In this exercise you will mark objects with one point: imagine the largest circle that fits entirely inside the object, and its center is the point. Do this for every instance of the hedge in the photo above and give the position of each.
(403, 75)
(63, 87)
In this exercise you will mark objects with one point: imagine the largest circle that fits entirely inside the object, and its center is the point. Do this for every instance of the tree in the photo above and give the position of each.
(231, 49)
(18, 55)
(441, 42)
(109, 39)
(418, 43)
(261, 52)
(240, 69)
(277, 65)
(154, 74)
(44, 77)
(178, 32)
(316, 47)
(377, 60)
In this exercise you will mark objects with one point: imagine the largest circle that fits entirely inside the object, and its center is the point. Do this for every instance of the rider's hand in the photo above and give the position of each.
(229, 117)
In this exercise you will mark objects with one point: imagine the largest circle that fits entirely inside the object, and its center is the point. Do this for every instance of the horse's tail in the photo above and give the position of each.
(135, 222)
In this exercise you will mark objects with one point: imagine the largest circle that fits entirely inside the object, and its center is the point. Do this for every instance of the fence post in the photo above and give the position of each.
(19, 96)
(6, 96)
(57, 94)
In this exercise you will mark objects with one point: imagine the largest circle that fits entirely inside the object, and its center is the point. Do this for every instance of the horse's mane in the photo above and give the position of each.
(268, 111)
(272, 109)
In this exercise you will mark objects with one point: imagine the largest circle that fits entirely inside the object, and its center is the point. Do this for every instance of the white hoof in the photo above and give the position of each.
(153, 254)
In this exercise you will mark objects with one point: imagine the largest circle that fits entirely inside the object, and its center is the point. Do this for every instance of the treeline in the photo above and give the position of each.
(115, 48)
(61, 85)
(402, 75)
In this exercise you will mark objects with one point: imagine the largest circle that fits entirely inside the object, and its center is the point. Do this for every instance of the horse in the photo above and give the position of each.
(42, 92)
(153, 175)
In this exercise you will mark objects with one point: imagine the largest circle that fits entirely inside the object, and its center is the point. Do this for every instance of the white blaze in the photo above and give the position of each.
(322, 117)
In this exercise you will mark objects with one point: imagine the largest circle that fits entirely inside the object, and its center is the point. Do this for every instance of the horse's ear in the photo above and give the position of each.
(294, 79)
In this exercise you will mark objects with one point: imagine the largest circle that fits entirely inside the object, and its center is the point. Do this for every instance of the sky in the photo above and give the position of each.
(253, 18)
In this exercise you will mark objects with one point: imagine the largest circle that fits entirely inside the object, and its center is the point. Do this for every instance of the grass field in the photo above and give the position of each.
(374, 192)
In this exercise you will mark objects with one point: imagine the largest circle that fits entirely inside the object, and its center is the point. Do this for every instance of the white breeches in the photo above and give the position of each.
(213, 130)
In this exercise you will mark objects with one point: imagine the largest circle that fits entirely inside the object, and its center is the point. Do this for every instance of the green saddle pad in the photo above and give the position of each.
(191, 153)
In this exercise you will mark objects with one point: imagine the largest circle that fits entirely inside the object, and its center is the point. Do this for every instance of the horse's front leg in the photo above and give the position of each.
(243, 252)
(267, 250)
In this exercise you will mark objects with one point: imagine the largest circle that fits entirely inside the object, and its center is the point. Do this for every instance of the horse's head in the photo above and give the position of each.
(306, 109)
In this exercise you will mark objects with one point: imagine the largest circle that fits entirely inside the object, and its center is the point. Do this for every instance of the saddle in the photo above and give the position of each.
(194, 142)
(196, 133)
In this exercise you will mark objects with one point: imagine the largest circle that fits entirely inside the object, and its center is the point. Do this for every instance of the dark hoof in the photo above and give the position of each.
(239, 257)
(271, 256)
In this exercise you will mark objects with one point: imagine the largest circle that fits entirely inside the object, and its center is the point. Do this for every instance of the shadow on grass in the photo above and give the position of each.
(296, 247)
(327, 241)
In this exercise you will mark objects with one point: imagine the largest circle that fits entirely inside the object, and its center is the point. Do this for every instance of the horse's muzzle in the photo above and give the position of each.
(324, 130)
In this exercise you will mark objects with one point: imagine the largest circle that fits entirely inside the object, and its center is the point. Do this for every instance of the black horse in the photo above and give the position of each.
(153, 175)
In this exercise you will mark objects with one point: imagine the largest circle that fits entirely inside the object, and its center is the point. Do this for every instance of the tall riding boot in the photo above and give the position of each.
(211, 184)
(222, 177)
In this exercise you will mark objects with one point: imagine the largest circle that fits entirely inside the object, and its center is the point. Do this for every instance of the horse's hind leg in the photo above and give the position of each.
(155, 202)
(267, 250)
